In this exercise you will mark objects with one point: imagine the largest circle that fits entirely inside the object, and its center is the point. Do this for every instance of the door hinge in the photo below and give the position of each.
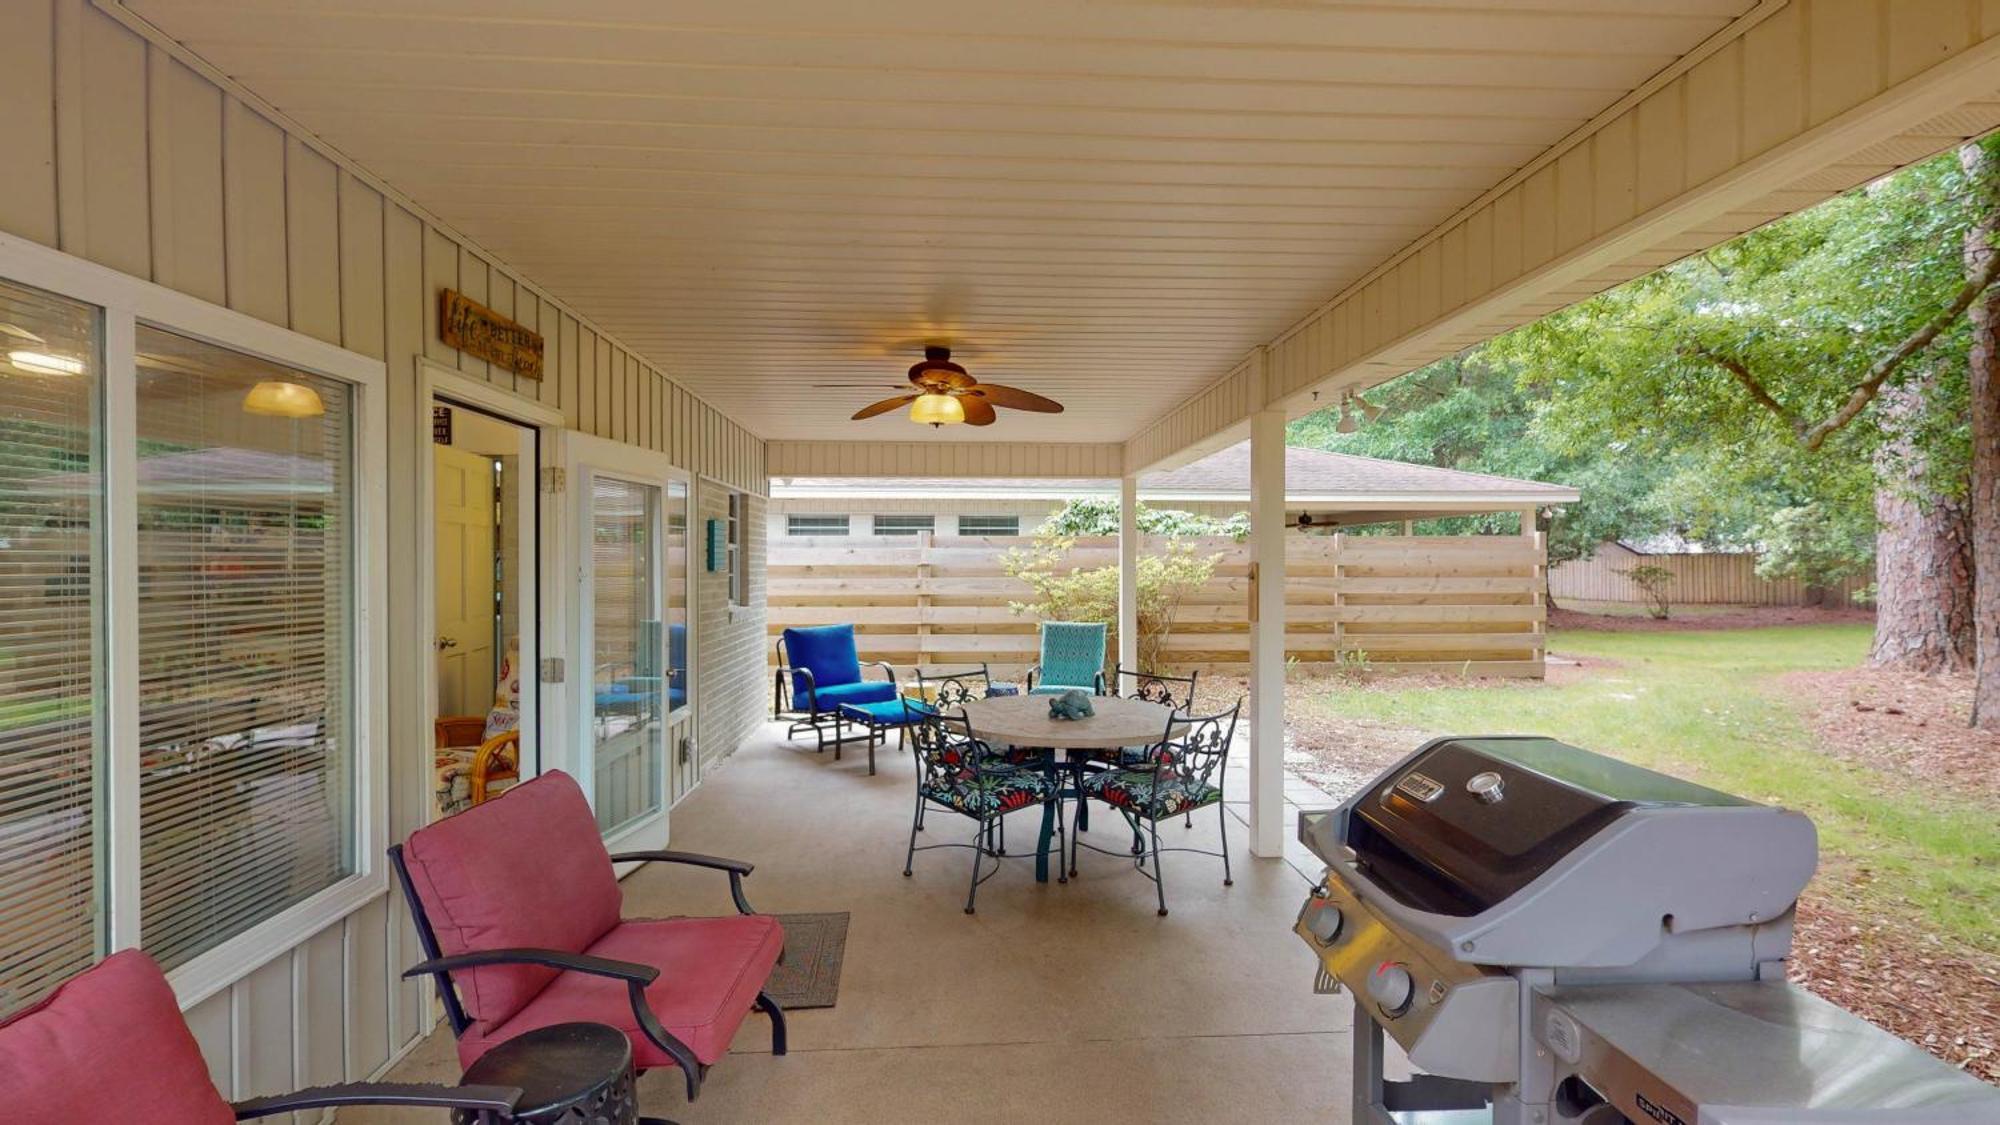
(553, 479)
(552, 669)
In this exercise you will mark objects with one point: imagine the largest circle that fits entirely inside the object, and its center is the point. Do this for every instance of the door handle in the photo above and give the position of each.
(446, 642)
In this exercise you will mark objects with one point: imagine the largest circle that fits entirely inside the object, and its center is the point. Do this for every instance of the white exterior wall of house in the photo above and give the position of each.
(123, 155)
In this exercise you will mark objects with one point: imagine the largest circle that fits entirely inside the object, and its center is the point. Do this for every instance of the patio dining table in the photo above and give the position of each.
(1023, 722)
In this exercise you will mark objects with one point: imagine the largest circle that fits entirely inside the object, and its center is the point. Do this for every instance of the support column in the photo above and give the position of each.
(1128, 576)
(1267, 633)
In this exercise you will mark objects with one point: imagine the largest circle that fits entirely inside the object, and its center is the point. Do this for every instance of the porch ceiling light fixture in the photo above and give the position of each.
(42, 363)
(937, 410)
(1346, 425)
(276, 398)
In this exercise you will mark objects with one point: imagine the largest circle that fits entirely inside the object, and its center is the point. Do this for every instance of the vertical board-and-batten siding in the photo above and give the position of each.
(1796, 102)
(1099, 460)
(120, 153)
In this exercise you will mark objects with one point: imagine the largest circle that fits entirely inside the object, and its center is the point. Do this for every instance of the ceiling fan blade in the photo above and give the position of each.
(883, 407)
(1017, 399)
(978, 412)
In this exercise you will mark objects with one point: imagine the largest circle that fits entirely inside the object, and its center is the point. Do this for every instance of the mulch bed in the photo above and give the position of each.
(1902, 723)
(1736, 617)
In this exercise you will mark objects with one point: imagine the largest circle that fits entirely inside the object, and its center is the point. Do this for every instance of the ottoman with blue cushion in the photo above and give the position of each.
(880, 718)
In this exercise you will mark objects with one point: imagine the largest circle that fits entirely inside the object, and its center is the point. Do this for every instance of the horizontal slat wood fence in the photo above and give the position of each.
(1711, 579)
(1460, 603)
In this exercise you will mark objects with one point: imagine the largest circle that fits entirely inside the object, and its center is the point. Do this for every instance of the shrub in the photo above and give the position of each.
(1068, 593)
(1653, 582)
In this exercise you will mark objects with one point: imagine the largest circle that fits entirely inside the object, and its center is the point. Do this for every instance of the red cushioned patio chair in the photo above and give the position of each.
(518, 910)
(109, 1047)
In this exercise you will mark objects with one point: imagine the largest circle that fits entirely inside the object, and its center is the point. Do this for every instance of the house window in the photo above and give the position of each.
(989, 525)
(246, 577)
(903, 525)
(815, 525)
(51, 843)
(182, 655)
(738, 559)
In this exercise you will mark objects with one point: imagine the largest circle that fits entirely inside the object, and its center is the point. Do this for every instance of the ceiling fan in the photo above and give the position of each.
(946, 395)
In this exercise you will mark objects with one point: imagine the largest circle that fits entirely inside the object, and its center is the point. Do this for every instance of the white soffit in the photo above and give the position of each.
(1106, 203)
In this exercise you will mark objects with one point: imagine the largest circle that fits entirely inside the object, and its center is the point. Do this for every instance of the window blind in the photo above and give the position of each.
(815, 525)
(245, 576)
(989, 525)
(904, 525)
(51, 859)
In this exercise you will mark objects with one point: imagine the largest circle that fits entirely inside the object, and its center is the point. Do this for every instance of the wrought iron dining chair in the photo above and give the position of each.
(1182, 772)
(958, 772)
(1176, 692)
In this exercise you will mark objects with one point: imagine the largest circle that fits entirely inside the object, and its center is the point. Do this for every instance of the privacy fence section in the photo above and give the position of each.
(1708, 579)
(1469, 604)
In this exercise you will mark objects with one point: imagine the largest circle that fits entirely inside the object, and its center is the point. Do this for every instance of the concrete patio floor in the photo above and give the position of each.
(1058, 1002)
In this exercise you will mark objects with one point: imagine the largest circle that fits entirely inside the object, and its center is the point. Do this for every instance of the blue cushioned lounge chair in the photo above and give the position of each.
(1072, 659)
(818, 671)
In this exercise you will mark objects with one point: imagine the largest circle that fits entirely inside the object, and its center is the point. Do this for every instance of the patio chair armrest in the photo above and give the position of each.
(428, 1095)
(631, 972)
(1033, 671)
(737, 869)
(1100, 681)
(888, 669)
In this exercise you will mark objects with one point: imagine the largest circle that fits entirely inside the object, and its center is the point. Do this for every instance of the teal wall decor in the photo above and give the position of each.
(712, 555)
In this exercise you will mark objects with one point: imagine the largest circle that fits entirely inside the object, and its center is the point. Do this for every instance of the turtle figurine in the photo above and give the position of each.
(1070, 705)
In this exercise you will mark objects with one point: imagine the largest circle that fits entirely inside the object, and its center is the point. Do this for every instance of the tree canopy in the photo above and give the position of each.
(1729, 398)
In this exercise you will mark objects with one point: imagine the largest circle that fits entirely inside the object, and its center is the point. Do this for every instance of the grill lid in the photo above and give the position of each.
(1468, 822)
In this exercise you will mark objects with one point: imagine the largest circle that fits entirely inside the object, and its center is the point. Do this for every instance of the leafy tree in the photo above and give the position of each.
(1098, 515)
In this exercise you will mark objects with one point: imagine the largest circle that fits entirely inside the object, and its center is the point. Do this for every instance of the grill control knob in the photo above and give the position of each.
(1487, 788)
(1323, 921)
(1391, 987)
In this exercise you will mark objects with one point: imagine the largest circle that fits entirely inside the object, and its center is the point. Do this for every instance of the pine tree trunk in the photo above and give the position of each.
(1923, 553)
(1984, 501)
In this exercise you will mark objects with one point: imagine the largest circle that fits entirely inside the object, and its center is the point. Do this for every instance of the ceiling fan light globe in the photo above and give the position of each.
(937, 410)
(1346, 424)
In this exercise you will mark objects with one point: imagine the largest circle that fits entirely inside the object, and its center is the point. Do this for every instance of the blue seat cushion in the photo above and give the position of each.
(869, 691)
(828, 650)
(1002, 689)
(884, 713)
(1058, 689)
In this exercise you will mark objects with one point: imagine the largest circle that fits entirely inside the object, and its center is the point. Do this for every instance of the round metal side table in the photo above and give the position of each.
(568, 1074)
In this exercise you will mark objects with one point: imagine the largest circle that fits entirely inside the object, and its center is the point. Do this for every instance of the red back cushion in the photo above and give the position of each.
(109, 1047)
(525, 869)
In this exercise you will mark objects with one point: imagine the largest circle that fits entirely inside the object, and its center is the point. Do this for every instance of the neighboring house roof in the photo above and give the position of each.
(1313, 478)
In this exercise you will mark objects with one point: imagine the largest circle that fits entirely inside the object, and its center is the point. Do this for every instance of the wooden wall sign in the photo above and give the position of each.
(476, 330)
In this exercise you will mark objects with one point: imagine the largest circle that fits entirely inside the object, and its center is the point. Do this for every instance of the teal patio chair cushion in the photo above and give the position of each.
(1072, 656)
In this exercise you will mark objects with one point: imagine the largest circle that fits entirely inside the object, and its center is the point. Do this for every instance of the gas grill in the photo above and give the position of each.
(1553, 937)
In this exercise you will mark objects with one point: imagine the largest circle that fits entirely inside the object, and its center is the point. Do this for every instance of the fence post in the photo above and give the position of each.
(923, 597)
(1339, 600)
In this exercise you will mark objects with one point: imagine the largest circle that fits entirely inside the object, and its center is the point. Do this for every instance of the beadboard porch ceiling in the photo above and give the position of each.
(1106, 203)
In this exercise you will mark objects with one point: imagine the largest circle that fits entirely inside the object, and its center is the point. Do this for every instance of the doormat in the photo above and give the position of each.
(809, 976)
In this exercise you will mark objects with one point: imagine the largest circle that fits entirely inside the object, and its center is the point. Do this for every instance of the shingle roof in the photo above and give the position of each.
(1310, 475)
(1319, 472)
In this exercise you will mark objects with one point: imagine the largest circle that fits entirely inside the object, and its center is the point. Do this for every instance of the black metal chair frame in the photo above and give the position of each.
(829, 728)
(493, 1104)
(1199, 752)
(1155, 687)
(635, 975)
(942, 752)
(1036, 670)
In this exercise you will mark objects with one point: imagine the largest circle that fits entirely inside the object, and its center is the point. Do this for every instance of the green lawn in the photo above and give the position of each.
(1703, 705)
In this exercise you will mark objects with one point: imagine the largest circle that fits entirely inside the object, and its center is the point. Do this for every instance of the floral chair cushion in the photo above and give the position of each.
(1133, 790)
(993, 791)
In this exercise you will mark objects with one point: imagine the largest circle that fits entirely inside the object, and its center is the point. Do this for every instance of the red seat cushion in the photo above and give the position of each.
(109, 1047)
(527, 868)
(711, 970)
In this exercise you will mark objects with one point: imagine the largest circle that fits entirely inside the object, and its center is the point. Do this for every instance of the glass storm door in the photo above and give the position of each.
(628, 683)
